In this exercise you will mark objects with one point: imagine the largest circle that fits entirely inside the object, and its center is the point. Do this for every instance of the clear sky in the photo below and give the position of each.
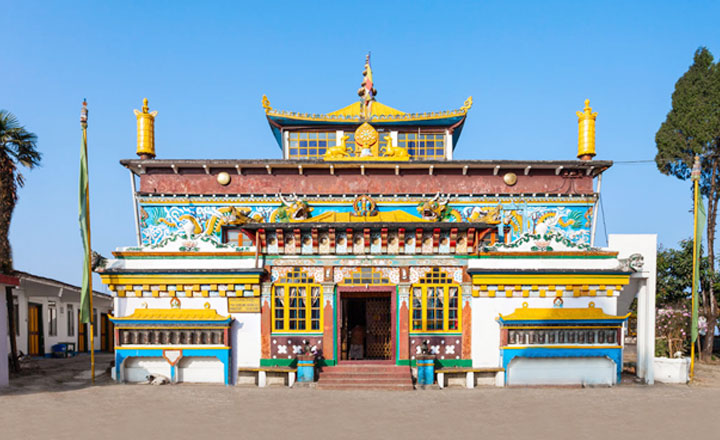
(205, 66)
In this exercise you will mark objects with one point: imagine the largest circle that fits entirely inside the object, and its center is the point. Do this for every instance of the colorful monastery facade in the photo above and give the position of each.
(367, 221)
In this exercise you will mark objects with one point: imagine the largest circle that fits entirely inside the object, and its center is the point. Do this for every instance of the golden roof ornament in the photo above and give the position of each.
(586, 132)
(145, 132)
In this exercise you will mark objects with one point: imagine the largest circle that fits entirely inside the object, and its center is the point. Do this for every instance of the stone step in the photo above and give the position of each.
(355, 379)
(359, 376)
(365, 386)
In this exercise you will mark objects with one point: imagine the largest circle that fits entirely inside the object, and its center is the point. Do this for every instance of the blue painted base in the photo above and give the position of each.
(305, 371)
(614, 354)
(426, 371)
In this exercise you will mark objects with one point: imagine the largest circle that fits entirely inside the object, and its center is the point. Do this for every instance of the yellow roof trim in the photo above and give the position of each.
(397, 216)
(551, 279)
(206, 314)
(526, 313)
(376, 109)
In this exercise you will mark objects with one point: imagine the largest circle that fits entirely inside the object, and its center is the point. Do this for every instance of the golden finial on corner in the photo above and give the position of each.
(586, 132)
(145, 131)
(266, 104)
(467, 105)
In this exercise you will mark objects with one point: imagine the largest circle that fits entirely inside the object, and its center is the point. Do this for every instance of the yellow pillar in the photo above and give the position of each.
(145, 132)
(586, 132)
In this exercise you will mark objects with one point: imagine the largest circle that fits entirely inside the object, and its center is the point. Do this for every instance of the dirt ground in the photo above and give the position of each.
(54, 401)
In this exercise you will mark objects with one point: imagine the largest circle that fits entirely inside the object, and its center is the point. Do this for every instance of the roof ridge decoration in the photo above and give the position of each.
(367, 90)
(542, 242)
(184, 241)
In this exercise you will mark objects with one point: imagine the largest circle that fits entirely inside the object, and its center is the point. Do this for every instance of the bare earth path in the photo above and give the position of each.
(34, 409)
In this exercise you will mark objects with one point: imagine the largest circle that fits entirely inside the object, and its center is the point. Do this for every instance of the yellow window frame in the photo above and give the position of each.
(297, 280)
(430, 282)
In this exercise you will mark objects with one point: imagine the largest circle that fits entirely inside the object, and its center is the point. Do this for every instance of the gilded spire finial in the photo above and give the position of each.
(367, 90)
(586, 132)
(145, 131)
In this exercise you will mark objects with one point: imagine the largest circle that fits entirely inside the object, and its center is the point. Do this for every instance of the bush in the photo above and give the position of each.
(672, 330)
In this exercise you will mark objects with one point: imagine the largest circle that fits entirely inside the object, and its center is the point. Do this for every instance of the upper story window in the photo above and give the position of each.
(423, 146)
(310, 145)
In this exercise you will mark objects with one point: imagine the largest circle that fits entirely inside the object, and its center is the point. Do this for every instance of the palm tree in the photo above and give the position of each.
(17, 146)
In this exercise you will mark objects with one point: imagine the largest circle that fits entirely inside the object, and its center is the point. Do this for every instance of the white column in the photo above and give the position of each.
(649, 330)
(394, 137)
(286, 143)
(641, 330)
(4, 345)
(448, 145)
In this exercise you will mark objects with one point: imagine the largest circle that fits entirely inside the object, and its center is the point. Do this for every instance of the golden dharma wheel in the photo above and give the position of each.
(366, 135)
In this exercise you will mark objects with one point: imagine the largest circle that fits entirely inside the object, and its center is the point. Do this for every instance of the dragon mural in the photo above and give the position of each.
(292, 210)
(436, 210)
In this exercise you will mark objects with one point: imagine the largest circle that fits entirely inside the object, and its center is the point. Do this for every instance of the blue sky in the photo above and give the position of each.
(205, 66)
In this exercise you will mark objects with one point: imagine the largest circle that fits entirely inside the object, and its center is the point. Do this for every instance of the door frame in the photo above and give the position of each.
(40, 330)
(347, 292)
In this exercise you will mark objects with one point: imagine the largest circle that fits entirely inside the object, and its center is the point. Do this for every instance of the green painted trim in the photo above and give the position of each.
(435, 334)
(293, 363)
(444, 363)
(315, 334)
(190, 257)
(397, 323)
(335, 338)
(278, 362)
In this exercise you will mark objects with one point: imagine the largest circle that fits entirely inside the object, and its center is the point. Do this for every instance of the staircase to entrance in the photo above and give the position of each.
(365, 376)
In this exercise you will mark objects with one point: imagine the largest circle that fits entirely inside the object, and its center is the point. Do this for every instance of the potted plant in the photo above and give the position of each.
(672, 330)
(306, 362)
(425, 365)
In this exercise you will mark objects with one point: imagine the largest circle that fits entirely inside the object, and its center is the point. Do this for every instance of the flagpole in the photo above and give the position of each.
(88, 257)
(695, 176)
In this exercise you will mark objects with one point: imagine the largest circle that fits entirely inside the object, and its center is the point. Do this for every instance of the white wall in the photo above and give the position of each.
(4, 346)
(486, 330)
(27, 294)
(642, 285)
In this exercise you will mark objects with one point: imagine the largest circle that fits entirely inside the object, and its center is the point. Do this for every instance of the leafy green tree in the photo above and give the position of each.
(674, 275)
(17, 146)
(692, 127)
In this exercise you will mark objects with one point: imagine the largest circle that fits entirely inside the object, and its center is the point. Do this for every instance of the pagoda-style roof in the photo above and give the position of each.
(381, 116)
(526, 315)
(367, 109)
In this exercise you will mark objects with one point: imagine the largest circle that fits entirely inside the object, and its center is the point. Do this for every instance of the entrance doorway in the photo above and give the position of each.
(35, 330)
(366, 326)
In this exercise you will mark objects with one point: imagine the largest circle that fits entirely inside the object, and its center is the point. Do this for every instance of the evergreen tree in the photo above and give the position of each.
(692, 127)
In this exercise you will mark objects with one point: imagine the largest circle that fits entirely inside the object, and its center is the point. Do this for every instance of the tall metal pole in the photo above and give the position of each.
(133, 188)
(83, 123)
(695, 176)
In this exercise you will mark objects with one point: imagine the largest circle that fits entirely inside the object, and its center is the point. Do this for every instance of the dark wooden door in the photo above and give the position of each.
(35, 330)
(379, 338)
(104, 334)
(82, 335)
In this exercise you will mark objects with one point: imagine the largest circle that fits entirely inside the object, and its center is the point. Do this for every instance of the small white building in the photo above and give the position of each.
(47, 313)
(5, 281)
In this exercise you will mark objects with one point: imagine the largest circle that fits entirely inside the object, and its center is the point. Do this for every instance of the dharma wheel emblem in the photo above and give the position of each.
(364, 205)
